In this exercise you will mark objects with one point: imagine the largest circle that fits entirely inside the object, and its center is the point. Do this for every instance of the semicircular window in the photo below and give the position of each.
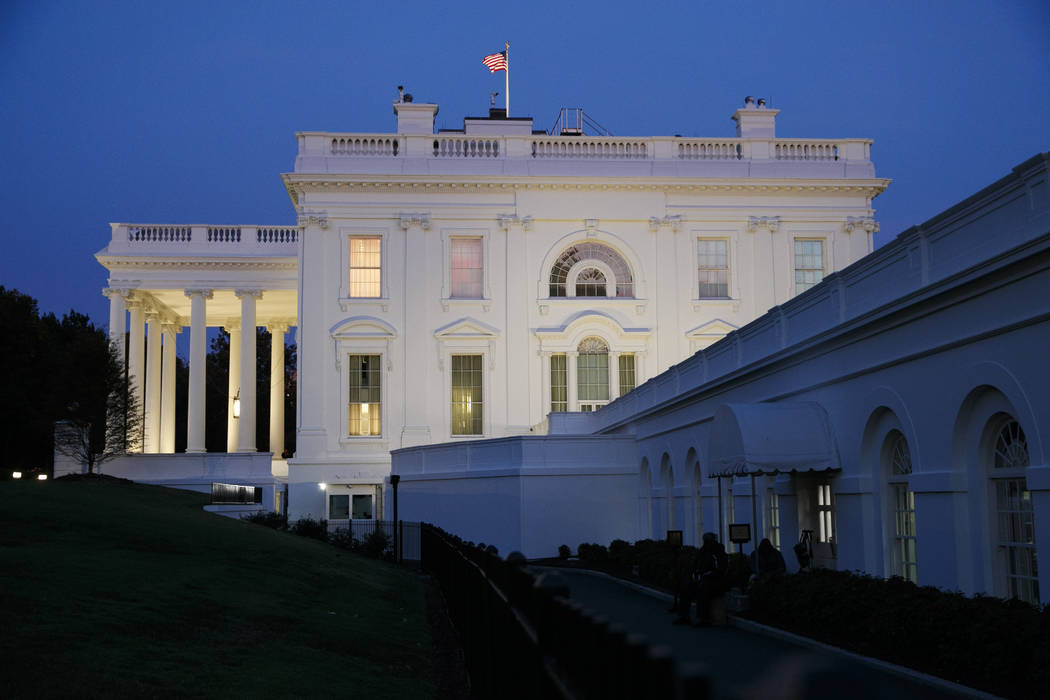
(587, 284)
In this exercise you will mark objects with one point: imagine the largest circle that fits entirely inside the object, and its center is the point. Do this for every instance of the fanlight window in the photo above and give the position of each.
(1011, 447)
(587, 282)
(901, 456)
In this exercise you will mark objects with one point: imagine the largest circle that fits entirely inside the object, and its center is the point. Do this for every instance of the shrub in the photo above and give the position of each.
(344, 539)
(269, 519)
(564, 552)
(314, 529)
(622, 554)
(739, 573)
(375, 544)
(988, 643)
(592, 552)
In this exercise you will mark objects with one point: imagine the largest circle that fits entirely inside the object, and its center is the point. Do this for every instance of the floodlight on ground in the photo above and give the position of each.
(41, 477)
(16, 475)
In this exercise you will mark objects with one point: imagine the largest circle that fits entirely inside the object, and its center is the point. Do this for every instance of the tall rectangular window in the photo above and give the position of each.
(559, 384)
(1016, 515)
(339, 507)
(365, 394)
(365, 262)
(824, 513)
(905, 555)
(627, 381)
(809, 264)
(466, 395)
(712, 268)
(773, 499)
(466, 273)
(592, 376)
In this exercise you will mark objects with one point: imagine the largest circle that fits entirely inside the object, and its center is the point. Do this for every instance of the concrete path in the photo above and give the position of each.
(743, 663)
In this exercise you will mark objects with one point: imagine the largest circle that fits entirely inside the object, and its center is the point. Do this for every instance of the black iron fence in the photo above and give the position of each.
(523, 638)
(407, 540)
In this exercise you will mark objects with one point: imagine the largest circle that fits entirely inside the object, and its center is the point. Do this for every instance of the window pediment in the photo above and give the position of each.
(466, 328)
(362, 327)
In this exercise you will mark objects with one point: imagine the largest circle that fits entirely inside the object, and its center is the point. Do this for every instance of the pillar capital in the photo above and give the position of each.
(770, 223)
(110, 292)
(248, 292)
(205, 293)
(231, 324)
(171, 327)
(861, 223)
(278, 326)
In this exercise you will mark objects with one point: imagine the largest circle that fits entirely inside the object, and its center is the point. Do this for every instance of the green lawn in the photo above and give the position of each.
(120, 590)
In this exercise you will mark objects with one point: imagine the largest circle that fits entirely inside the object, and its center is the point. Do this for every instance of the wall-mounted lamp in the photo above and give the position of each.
(16, 475)
(41, 477)
(323, 485)
(237, 404)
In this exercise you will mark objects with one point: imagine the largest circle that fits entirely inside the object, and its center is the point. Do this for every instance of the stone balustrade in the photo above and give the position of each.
(321, 152)
(280, 241)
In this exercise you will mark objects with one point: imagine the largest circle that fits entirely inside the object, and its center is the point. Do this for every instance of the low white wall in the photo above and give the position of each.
(526, 493)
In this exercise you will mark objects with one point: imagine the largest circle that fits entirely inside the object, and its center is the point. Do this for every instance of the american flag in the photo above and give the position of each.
(495, 61)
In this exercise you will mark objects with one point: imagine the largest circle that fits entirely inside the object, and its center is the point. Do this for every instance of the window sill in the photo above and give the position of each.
(347, 303)
(483, 302)
(720, 302)
(368, 440)
(620, 302)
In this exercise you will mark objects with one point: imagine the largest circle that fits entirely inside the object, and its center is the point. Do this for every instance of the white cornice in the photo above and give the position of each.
(119, 262)
(446, 184)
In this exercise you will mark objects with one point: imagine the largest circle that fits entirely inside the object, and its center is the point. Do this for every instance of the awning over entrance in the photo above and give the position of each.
(768, 438)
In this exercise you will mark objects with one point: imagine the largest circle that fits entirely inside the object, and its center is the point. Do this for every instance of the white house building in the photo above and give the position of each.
(463, 284)
(897, 413)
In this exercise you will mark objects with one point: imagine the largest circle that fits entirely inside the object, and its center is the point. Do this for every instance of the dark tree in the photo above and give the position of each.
(86, 438)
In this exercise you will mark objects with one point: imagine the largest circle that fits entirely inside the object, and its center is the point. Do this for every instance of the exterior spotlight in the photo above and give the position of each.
(41, 477)
(16, 475)
(237, 404)
(323, 485)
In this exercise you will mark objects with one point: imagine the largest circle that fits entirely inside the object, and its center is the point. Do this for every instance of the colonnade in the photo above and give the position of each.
(151, 354)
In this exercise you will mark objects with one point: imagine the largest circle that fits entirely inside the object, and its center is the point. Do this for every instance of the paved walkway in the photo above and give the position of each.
(744, 664)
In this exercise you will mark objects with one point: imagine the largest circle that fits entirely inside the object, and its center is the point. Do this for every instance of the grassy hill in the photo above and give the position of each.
(120, 590)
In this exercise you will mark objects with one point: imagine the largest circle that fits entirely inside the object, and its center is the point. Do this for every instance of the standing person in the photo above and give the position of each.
(707, 583)
(767, 560)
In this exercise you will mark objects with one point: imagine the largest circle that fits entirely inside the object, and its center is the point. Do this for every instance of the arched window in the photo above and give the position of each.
(575, 258)
(905, 560)
(592, 373)
(1014, 514)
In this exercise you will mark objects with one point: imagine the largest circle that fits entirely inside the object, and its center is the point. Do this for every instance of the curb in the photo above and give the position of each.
(759, 628)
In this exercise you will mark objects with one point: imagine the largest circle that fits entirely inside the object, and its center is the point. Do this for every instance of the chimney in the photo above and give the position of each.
(755, 122)
(415, 117)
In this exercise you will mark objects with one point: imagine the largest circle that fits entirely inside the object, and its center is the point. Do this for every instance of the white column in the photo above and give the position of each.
(246, 430)
(167, 390)
(117, 319)
(233, 327)
(151, 424)
(137, 358)
(614, 376)
(570, 366)
(198, 346)
(277, 331)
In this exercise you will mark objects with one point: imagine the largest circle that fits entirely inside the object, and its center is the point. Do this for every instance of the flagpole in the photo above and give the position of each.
(506, 83)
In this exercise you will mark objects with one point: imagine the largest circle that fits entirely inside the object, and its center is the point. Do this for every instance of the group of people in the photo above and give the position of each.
(707, 579)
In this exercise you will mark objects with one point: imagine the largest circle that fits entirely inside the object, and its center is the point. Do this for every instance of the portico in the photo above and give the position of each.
(165, 279)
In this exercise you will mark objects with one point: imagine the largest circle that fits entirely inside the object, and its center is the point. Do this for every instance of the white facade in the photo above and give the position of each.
(898, 411)
(454, 286)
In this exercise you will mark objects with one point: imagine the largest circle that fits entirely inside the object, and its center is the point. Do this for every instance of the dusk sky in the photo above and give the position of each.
(186, 112)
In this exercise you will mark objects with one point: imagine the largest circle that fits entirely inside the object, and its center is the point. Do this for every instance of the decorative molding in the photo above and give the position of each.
(674, 221)
(771, 223)
(319, 218)
(422, 220)
(206, 293)
(592, 227)
(248, 292)
(864, 223)
(507, 220)
(120, 263)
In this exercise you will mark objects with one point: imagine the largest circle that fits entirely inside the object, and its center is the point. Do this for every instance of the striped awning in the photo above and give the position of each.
(771, 438)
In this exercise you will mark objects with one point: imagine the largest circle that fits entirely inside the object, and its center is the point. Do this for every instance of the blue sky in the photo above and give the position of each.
(185, 112)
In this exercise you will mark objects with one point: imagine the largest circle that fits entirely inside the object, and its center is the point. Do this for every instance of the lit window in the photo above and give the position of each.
(559, 384)
(365, 267)
(339, 507)
(592, 373)
(824, 513)
(1016, 518)
(466, 395)
(466, 268)
(905, 541)
(712, 268)
(773, 501)
(590, 283)
(627, 381)
(365, 394)
(591, 251)
(809, 264)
